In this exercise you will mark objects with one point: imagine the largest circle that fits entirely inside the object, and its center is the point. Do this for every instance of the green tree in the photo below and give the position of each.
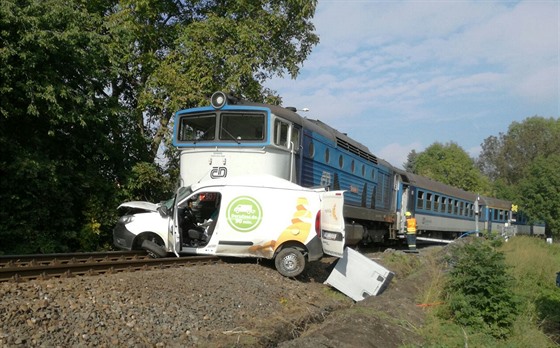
(508, 156)
(509, 161)
(54, 151)
(540, 196)
(450, 164)
(173, 54)
(410, 163)
(87, 94)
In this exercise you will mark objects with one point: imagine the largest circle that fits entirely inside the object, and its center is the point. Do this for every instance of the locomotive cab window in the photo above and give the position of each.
(295, 139)
(281, 133)
(242, 126)
(197, 128)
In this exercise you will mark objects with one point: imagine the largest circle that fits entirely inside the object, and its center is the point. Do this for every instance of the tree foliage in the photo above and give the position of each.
(450, 164)
(52, 128)
(87, 94)
(172, 55)
(540, 193)
(523, 164)
(508, 156)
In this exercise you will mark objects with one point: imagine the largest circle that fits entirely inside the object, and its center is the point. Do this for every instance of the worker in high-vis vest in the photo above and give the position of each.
(410, 231)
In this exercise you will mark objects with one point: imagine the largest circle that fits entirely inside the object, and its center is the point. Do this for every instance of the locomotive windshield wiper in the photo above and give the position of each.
(231, 135)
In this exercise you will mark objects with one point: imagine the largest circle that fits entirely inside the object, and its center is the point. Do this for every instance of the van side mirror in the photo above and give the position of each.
(163, 211)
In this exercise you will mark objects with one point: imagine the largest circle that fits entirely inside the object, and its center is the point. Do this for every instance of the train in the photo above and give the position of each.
(234, 137)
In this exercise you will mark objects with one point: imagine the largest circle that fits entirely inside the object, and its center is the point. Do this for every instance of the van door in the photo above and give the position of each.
(332, 223)
(174, 231)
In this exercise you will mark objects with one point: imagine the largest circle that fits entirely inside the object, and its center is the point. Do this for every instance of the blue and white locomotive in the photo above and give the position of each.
(233, 137)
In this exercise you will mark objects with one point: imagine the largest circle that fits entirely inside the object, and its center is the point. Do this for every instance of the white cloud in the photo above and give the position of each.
(397, 154)
(454, 63)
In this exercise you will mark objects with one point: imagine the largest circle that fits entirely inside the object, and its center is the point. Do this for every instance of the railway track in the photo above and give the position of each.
(20, 268)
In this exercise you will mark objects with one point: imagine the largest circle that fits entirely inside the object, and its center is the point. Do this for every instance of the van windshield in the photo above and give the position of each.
(183, 192)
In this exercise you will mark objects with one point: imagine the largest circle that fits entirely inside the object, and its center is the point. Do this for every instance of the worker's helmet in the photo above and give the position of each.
(407, 213)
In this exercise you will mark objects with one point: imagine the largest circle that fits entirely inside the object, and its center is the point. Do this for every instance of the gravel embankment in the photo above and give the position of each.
(232, 304)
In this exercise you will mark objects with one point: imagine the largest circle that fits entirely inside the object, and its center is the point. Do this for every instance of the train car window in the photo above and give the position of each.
(353, 166)
(327, 156)
(197, 128)
(428, 201)
(340, 161)
(295, 139)
(443, 204)
(495, 214)
(281, 133)
(420, 200)
(372, 174)
(242, 126)
(363, 170)
(436, 203)
(449, 206)
(461, 208)
(456, 204)
(311, 149)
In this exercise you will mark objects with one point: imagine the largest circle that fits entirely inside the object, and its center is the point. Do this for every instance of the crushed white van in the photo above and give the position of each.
(251, 216)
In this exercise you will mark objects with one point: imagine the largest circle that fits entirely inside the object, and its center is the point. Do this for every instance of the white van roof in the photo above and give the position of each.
(268, 181)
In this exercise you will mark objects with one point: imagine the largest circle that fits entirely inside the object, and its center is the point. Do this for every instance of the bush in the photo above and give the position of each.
(479, 292)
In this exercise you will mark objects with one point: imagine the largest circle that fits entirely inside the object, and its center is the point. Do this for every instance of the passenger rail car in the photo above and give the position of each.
(233, 137)
(444, 211)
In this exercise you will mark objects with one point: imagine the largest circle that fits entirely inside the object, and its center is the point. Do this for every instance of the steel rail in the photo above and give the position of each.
(47, 259)
(61, 270)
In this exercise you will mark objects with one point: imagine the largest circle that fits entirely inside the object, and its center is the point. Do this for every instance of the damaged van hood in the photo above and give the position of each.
(147, 206)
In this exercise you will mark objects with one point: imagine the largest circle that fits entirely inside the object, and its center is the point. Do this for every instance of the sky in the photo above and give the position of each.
(402, 75)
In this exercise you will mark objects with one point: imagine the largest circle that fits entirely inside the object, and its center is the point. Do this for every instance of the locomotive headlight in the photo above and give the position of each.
(218, 100)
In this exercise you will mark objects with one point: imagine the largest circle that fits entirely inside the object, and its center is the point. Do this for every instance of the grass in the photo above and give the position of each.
(533, 264)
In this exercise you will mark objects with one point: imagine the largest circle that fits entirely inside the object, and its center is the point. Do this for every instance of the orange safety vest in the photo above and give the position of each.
(411, 225)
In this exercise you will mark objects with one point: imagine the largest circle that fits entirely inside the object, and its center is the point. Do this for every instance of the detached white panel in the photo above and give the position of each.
(358, 277)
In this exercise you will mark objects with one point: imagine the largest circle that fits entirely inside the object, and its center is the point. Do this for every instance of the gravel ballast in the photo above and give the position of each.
(224, 304)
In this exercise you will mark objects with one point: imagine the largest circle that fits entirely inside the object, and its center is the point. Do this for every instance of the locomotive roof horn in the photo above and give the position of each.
(219, 99)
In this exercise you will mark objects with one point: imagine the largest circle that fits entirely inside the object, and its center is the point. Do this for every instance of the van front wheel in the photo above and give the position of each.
(290, 262)
(153, 249)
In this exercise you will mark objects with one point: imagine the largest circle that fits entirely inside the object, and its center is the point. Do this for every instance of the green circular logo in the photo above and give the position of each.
(244, 214)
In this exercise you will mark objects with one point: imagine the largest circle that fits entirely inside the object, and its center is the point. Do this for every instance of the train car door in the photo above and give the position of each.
(401, 190)
(332, 223)
(401, 218)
